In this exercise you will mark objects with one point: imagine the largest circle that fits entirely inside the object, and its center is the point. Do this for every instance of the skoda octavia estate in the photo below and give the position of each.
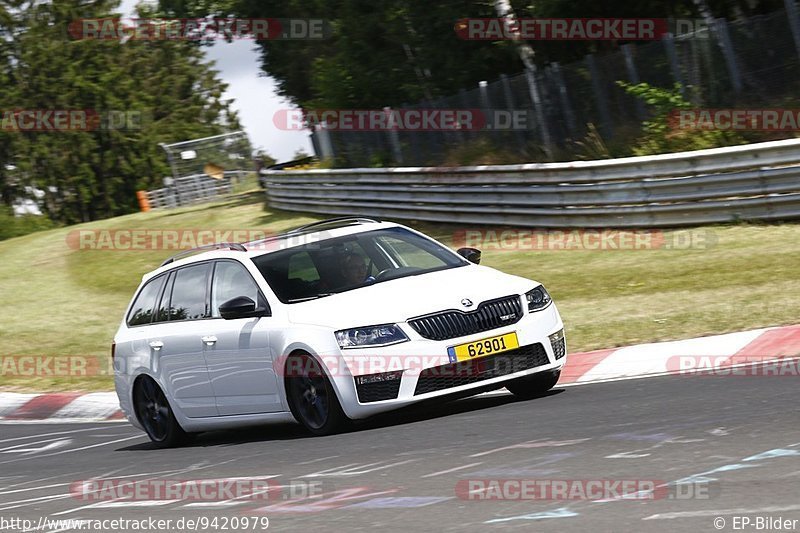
(333, 321)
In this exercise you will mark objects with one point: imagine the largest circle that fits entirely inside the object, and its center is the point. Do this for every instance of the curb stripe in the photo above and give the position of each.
(579, 364)
(775, 342)
(585, 367)
(42, 406)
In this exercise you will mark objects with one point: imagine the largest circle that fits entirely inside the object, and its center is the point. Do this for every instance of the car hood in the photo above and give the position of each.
(400, 299)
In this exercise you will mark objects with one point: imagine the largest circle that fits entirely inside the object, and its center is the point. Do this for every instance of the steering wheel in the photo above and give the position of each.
(390, 273)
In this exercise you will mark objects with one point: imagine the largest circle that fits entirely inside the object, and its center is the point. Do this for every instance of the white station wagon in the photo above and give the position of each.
(336, 320)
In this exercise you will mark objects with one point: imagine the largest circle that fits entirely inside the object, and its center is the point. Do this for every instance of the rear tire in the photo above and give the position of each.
(534, 385)
(155, 414)
(311, 396)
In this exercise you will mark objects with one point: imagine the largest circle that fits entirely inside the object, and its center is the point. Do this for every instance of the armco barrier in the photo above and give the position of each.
(749, 182)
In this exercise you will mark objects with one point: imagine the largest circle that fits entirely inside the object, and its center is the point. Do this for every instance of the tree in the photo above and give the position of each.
(153, 92)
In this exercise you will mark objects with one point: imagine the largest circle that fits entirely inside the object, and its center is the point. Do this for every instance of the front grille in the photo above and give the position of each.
(468, 372)
(378, 390)
(455, 323)
(559, 348)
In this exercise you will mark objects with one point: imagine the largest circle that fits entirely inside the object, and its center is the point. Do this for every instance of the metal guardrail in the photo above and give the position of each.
(193, 189)
(750, 182)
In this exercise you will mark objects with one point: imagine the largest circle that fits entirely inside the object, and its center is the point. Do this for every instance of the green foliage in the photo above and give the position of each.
(11, 226)
(661, 133)
(166, 90)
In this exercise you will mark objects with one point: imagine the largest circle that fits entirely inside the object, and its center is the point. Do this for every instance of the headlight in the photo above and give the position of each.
(537, 299)
(370, 336)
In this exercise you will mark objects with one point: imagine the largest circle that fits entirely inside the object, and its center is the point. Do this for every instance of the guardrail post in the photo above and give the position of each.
(794, 22)
(633, 76)
(606, 127)
(721, 27)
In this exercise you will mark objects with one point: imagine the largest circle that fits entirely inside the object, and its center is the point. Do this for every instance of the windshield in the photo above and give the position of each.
(336, 265)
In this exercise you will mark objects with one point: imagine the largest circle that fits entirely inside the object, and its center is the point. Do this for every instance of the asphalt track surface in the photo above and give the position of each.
(722, 446)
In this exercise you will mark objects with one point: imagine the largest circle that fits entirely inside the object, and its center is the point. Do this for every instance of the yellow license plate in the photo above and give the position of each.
(483, 347)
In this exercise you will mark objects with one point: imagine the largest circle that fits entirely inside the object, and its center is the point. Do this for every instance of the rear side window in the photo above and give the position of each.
(188, 301)
(142, 309)
(230, 281)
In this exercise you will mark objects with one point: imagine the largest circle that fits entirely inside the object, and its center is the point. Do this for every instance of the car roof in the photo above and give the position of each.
(316, 232)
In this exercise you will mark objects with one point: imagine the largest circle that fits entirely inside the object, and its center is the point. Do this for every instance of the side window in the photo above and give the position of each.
(142, 309)
(162, 314)
(188, 300)
(231, 280)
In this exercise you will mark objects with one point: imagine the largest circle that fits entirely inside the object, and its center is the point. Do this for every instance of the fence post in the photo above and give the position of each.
(171, 162)
(672, 55)
(563, 97)
(606, 128)
(325, 144)
(721, 27)
(794, 22)
(630, 66)
(509, 98)
(394, 139)
(530, 76)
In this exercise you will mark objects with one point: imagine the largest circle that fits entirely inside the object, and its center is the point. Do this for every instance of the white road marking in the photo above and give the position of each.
(40, 435)
(462, 467)
(349, 470)
(52, 444)
(718, 512)
(75, 449)
(111, 504)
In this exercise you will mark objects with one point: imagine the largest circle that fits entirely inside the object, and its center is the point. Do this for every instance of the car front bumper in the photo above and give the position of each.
(374, 380)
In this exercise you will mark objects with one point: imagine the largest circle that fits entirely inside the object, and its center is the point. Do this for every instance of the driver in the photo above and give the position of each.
(354, 269)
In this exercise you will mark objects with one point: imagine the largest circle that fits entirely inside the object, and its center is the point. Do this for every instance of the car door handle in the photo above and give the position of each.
(156, 345)
(209, 340)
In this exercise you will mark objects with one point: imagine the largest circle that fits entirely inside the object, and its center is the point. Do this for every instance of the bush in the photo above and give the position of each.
(13, 226)
(659, 134)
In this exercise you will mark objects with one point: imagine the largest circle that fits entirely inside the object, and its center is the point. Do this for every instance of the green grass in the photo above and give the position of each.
(58, 300)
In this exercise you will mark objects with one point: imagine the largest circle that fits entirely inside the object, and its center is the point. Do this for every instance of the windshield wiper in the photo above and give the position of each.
(306, 298)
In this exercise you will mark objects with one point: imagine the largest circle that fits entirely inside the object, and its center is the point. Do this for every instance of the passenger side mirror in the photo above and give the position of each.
(241, 307)
(473, 255)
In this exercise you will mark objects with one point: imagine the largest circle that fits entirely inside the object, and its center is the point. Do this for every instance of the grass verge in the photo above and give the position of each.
(63, 301)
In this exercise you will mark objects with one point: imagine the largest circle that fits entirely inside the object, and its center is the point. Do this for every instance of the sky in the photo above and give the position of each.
(253, 96)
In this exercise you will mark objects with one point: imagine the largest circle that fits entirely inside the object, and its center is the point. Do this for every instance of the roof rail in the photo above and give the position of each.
(216, 246)
(339, 221)
(310, 228)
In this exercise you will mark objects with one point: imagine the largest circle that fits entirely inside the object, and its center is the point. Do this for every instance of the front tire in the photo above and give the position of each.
(155, 414)
(534, 385)
(311, 396)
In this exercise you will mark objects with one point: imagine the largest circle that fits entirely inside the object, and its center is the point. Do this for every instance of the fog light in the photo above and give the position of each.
(377, 378)
(558, 344)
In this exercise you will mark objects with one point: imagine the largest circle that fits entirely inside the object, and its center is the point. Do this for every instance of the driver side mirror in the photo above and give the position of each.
(473, 255)
(242, 307)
